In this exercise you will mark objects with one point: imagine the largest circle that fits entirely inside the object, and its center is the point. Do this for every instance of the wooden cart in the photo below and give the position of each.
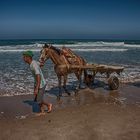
(113, 80)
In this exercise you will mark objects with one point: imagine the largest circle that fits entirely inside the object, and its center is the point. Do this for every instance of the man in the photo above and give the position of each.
(40, 83)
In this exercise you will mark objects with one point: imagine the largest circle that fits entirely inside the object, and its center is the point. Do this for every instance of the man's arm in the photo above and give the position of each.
(37, 86)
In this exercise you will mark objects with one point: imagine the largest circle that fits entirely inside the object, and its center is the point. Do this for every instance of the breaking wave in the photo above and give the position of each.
(76, 46)
(82, 50)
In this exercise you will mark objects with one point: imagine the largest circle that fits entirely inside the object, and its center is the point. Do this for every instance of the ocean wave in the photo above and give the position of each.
(99, 44)
(79, 50)
(92, 44)
(23, 89)
(29, 46)
(20, 50)
(103, 50)
(16, 81)
(132, 46)
(77, 46)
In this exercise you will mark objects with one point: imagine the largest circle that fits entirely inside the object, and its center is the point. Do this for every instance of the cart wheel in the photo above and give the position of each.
(113, 82)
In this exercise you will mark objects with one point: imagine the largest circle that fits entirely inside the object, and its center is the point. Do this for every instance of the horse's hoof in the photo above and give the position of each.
(77, 89)
(69, 93)
(58, 98)
(76, 92)
(60, 95)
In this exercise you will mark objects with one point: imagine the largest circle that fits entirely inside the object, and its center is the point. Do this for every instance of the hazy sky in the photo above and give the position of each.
(94, 19)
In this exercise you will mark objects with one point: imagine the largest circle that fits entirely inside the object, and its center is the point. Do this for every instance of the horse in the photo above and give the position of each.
(61, 66)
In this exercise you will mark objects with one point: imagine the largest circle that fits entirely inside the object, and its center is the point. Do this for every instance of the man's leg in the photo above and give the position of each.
(40, 103)
(43, 102)
(42, 112)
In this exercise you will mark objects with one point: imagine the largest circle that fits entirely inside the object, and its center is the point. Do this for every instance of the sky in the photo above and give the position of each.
(70, 19)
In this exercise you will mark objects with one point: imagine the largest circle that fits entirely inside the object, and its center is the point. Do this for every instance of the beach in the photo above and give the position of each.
(96, 113)
(80, 58)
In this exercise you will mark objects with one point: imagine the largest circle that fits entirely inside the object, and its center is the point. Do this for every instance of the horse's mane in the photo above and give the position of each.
(57, 50)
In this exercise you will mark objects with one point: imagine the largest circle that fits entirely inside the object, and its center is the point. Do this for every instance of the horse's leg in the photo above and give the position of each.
(80, 79)
(59, 85)
(78, 75)
(77, 86)
(64, 86)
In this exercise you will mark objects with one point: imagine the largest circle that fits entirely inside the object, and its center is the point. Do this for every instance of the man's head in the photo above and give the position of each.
(27, 56)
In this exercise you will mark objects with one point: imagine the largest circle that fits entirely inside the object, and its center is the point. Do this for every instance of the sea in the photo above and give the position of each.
(16, 78)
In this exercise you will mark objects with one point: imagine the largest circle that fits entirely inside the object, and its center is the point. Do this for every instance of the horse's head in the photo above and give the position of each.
(44, 54)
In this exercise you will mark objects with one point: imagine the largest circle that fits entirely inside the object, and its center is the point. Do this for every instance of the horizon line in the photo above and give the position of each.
(69, 39)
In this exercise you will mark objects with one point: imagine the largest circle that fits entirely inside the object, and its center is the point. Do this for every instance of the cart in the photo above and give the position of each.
(109, 71)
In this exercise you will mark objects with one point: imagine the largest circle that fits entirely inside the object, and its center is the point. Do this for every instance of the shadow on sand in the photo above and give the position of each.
(137, 84)
(99, 84)
(35, 106)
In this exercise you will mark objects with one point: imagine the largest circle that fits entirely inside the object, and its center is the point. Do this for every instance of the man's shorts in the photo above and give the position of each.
(40, 95)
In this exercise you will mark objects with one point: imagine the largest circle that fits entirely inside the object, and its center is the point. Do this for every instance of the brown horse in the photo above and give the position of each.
(61, 65)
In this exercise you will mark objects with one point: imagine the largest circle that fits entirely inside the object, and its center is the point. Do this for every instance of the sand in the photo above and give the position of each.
(94, 114)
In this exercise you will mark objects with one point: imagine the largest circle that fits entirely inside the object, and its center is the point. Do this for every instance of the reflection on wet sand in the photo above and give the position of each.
(24, 105)
(120, 97)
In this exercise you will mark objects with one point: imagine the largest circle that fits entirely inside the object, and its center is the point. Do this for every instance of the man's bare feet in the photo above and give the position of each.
(49, 108)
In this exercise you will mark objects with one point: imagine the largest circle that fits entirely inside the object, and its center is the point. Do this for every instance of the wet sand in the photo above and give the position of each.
(94, 114)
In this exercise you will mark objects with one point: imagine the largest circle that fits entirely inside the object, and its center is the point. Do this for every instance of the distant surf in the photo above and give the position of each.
(76, 46)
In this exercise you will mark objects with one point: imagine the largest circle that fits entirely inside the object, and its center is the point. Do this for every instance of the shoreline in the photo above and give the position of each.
(23, 105)
(97, 113)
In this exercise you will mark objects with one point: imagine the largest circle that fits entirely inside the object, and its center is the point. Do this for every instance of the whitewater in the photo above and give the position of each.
(16, 78)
